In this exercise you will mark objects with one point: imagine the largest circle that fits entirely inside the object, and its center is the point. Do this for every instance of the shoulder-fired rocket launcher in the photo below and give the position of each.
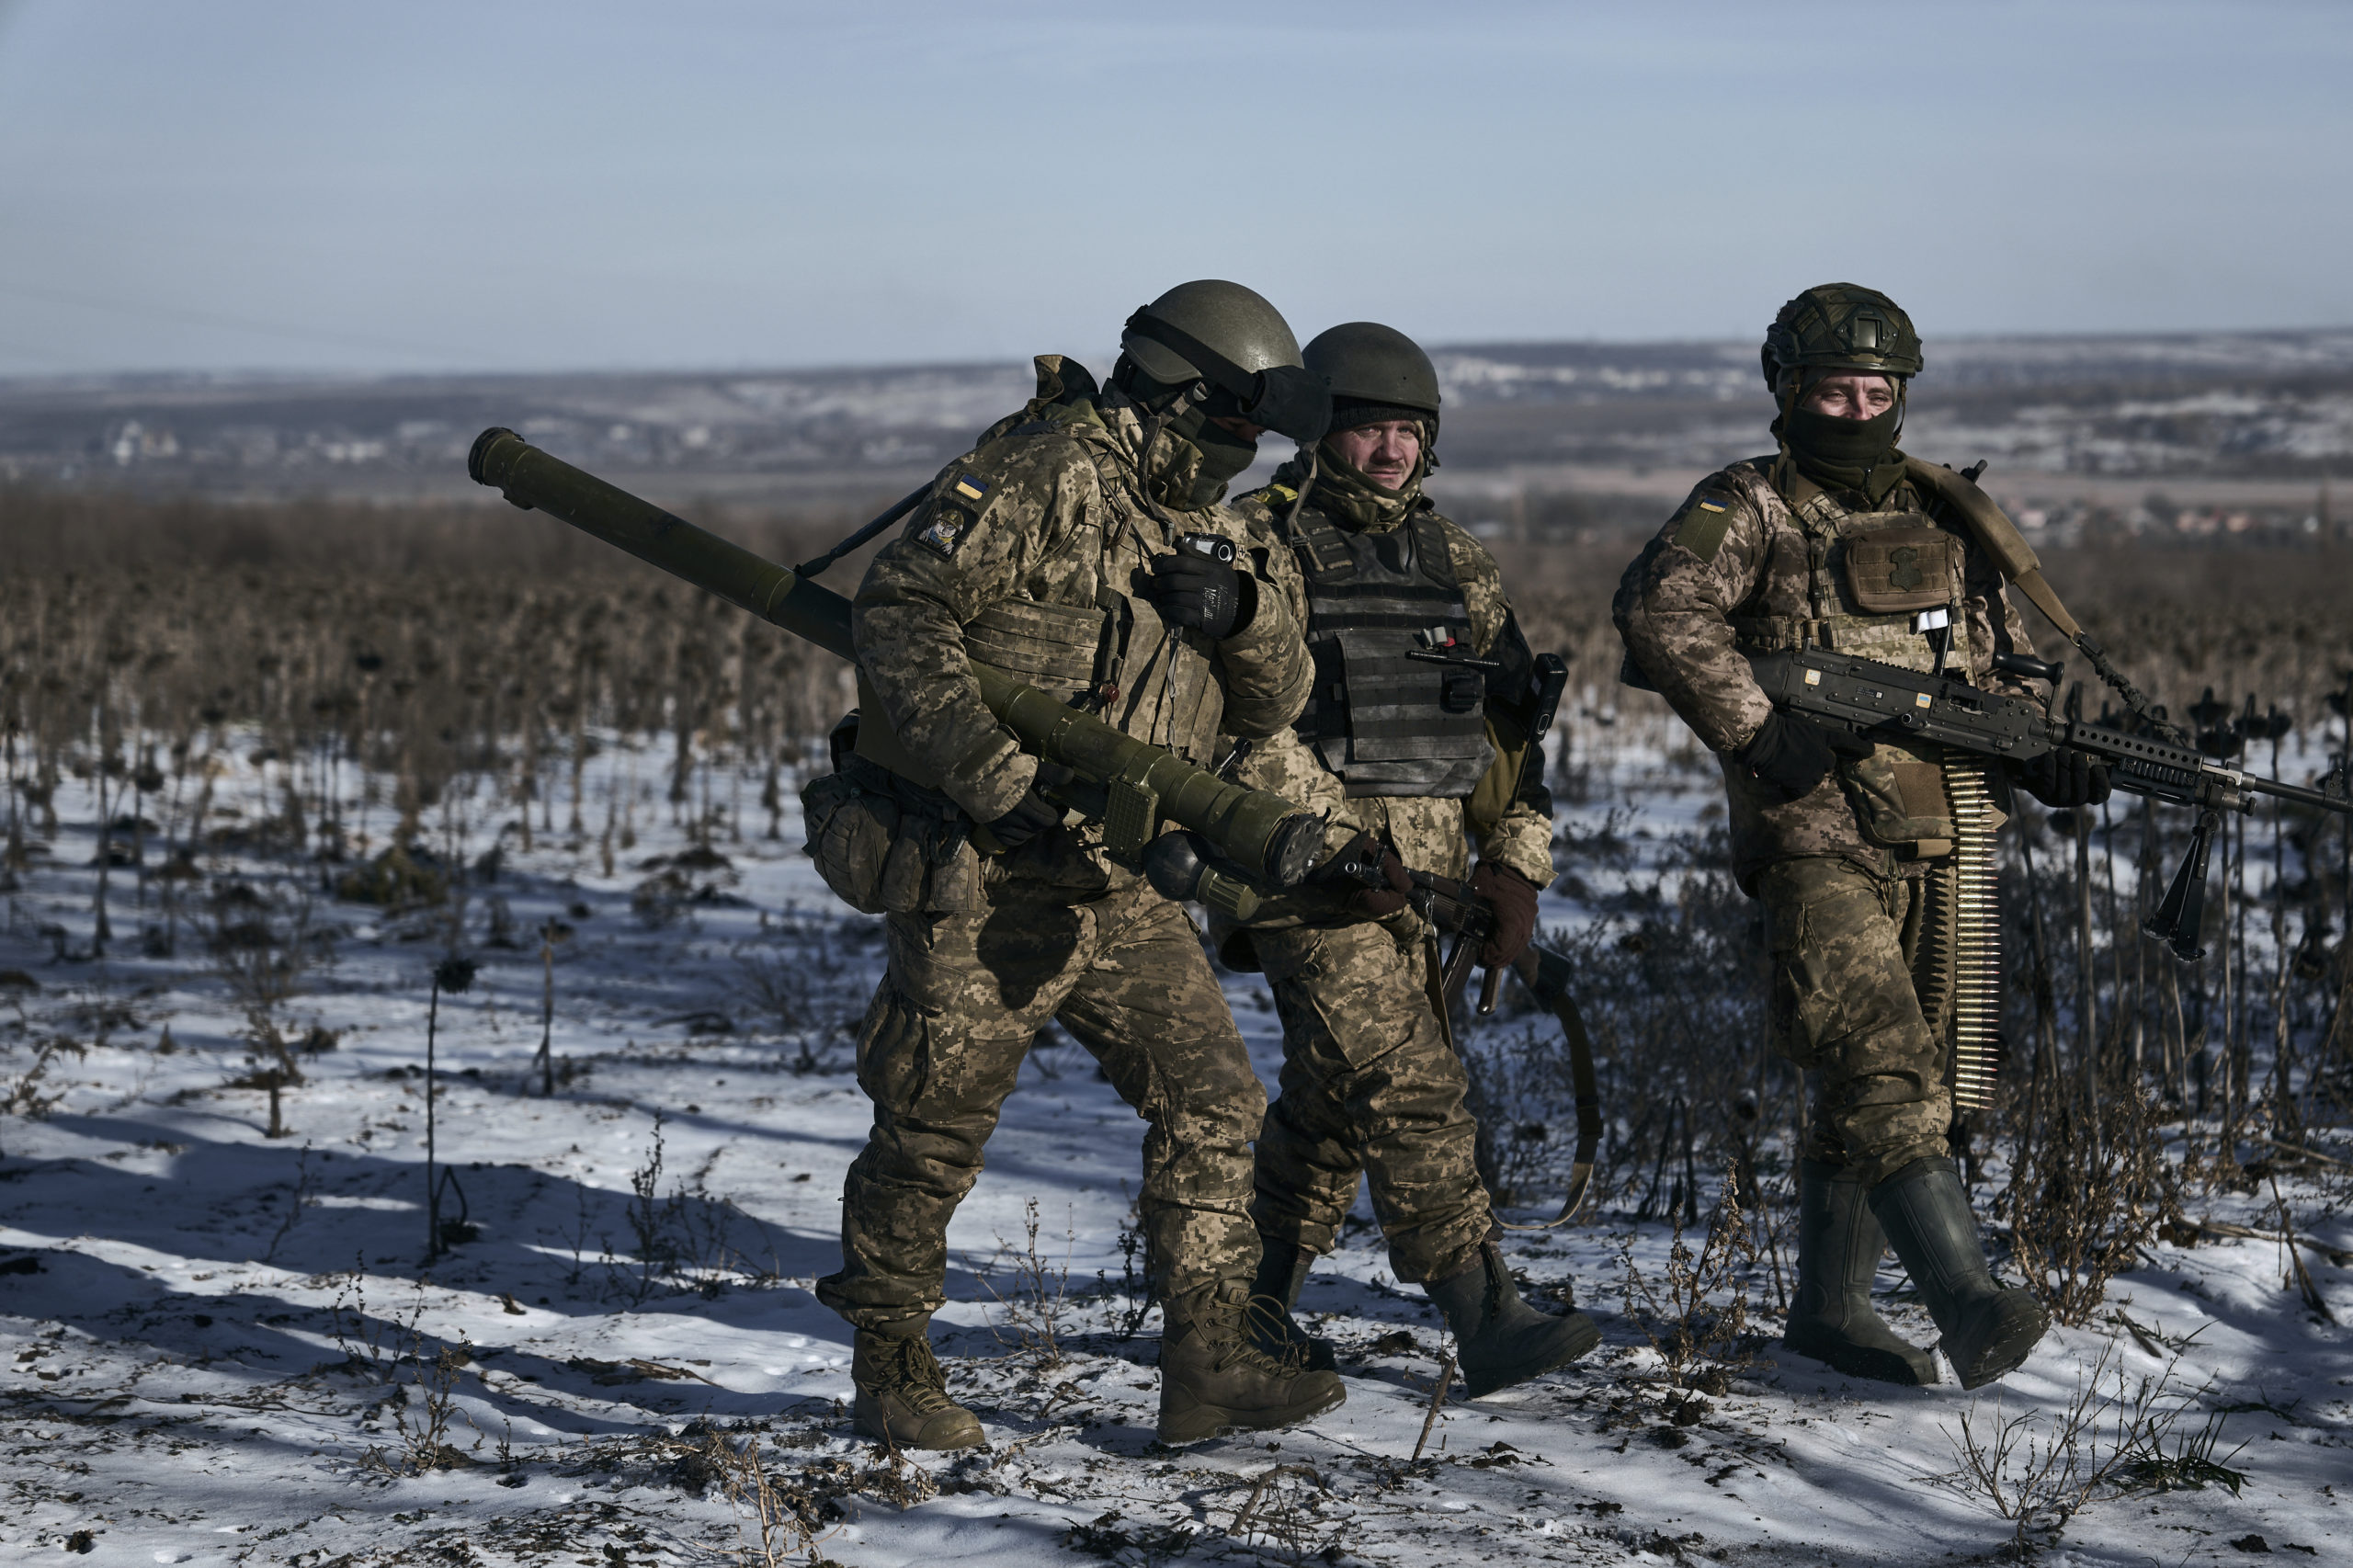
(1140, 783)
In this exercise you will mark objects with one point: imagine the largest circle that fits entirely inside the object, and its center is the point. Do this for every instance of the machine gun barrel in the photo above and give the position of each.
(1864, 696)
(1264, 833)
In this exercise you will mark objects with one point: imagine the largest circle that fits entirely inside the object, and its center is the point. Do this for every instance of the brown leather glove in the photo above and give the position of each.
(1513, 897)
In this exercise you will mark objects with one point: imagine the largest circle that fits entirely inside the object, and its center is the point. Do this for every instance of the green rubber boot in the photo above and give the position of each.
(1840, 1242)
(1987, 1329)
(1282, 1271)
(1213, 1378)
(1500, 1339)
(903, 1394)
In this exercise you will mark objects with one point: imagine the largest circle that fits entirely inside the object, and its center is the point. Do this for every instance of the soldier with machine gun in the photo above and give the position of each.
(1872, 853)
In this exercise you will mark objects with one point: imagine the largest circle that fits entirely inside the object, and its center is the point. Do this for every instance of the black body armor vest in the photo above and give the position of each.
(1395, 711)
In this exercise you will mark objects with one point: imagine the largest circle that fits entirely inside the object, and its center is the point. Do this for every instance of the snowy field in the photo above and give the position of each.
(218, 1346)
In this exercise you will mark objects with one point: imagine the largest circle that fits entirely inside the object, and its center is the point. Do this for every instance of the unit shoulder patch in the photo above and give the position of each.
(949, 523)
(1701, 527)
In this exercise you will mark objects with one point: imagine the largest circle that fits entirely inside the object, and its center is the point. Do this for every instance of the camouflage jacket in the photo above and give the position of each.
(1743, 567)
(1429, 834)
(1029, 554)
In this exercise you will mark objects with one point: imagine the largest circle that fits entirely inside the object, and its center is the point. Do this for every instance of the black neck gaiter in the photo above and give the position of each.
(1846, 454)
(1223, 456)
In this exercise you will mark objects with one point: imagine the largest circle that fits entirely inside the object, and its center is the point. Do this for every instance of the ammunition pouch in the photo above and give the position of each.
(1900, 801)
(1881, 570)
(884, 844)
(1903, 567)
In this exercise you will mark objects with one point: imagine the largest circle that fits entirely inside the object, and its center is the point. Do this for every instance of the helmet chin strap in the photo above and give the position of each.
(1313, 454)
(1156, 422)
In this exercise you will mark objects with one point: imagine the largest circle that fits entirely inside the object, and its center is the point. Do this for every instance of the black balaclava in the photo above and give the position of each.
(1845, 454)
(1221, 455)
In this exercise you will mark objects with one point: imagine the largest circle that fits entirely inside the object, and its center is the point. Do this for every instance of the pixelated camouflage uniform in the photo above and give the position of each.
(1745, 566)
(1031, 552)
(1370, 1086)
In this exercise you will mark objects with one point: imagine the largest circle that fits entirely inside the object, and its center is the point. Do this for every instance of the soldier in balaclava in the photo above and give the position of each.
(1832, 541)
(1416, 741)
(1056, 550)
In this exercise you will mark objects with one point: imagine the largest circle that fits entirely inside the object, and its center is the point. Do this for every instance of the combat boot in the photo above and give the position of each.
(1282, 1271)
(1500, 1339)
(1987, 1329)
(1214, 1379)
(903, 1394)
(1840, 1242)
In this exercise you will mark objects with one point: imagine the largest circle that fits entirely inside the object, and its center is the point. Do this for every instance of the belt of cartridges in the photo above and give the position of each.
(1969, 935)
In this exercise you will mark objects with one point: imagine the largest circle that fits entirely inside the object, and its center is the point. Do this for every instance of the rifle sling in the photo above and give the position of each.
(1529, 968)
(1997, 536)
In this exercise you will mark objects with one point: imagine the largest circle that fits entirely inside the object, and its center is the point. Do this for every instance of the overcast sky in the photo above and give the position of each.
(411, 186)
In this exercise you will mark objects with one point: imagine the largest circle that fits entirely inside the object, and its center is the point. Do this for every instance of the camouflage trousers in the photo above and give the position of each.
(1847, 1008)
(943, 1042)
(1369, 1088)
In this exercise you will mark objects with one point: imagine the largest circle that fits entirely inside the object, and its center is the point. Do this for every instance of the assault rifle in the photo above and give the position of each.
(1457, 912)
(1865, 697)
(1185, 867)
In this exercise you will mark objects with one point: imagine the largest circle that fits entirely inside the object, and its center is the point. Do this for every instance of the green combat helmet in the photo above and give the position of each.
(1230, 338)
(1375, 373)
(1841, 326)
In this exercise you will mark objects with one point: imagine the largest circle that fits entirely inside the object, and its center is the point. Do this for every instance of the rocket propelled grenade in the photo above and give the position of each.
(1142, 784)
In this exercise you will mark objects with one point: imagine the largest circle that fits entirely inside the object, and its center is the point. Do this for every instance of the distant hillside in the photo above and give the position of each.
(2252, 406)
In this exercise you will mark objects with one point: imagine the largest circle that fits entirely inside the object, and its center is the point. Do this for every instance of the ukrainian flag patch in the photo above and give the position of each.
(968, 488)
(1701, 527)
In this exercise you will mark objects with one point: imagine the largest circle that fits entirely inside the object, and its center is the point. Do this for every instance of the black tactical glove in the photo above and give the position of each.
(1789, 755)
(1193, 590)
(1033, 813)
(2063, 777)
(1513, 897)
(1340, 873)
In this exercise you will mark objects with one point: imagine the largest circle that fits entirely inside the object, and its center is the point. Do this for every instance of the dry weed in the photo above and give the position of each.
(2114, 1438)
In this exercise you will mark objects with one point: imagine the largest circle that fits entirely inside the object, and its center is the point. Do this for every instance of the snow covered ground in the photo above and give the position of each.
(217, 1346)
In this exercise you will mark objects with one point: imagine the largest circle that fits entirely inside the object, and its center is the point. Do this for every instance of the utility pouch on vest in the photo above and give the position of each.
(1897, 570)
(885, 847)
(1898, 793)
(1499, 788)
(1051, 647)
